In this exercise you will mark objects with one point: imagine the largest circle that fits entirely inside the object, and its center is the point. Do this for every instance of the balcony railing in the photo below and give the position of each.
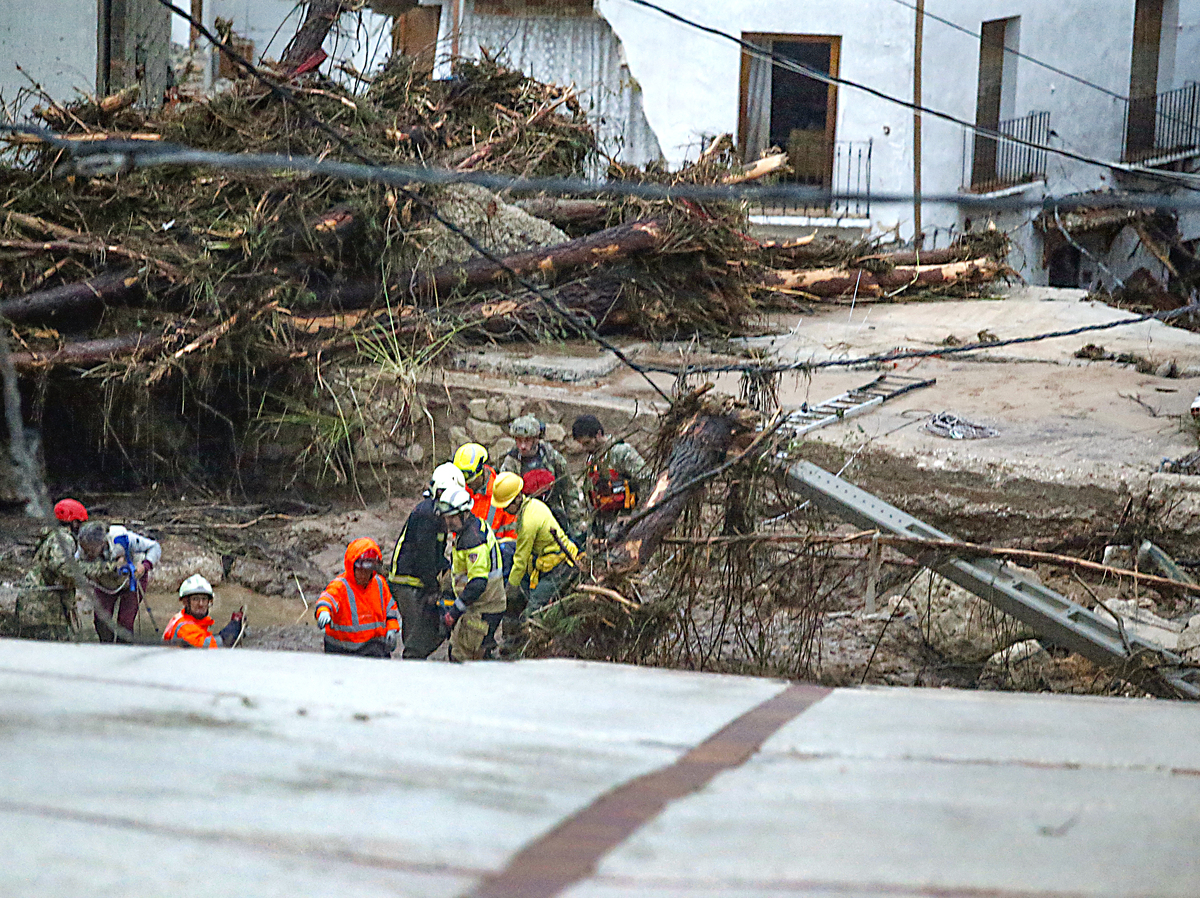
(995, 163)
(851, 174)
(1163, 128)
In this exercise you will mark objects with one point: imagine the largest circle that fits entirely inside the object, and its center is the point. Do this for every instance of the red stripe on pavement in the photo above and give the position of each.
(571, 851)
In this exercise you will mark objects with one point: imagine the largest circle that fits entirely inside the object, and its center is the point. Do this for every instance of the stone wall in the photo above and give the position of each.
(398, 430)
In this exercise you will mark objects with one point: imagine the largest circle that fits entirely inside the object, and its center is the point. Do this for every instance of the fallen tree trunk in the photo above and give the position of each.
(932, 257)
(765, 166)
(566, 212)
(88, 352)
(712, 426)
(642, 236)
(77, 298)
(831, 283)
(319, 19)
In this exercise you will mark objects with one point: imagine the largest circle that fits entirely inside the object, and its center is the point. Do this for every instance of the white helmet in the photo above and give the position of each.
(455, 500)
(444, 477)
(195, 585)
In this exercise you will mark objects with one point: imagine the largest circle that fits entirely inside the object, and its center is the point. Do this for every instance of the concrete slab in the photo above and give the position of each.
(1060, 419)
(577, 366)
(154, 771)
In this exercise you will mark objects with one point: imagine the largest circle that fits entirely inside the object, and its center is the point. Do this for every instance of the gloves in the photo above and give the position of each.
(512, 593)
(389, 641)
(324, 618)
(232, 630)
(453, 613)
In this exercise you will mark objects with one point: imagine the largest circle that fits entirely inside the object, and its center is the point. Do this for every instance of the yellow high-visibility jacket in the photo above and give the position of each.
(475, 563)
(538, 549)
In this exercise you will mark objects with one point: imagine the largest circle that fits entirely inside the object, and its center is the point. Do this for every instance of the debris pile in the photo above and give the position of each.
(217, 288)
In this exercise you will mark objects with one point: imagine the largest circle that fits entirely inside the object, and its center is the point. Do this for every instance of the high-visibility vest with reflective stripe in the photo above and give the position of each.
(356, 618)
(185, 630)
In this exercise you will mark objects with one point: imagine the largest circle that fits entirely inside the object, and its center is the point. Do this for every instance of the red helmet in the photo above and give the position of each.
(538, 482)
(68, 510)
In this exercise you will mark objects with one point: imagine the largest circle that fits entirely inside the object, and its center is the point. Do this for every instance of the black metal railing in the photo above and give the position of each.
(1163, 127)
(995, 163)
(849, 173)
(852, 175)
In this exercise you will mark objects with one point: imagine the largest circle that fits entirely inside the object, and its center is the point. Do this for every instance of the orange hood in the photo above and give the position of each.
(356, 550)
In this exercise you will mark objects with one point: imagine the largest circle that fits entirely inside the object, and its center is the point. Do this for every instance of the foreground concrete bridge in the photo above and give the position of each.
(148, 771)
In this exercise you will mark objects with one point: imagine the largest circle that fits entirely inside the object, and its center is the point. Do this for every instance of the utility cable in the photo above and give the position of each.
(800, 68)
(111, 156)
(287, 96)
(1038, 62)
(752, 368)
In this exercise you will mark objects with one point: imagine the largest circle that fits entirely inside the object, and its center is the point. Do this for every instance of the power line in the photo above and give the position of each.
(1025, 56)
(98, 157)
(825, 78)
(755, 368)
(552, 302)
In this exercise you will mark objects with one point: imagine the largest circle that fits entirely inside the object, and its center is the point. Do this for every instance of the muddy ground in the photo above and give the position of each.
(275, 561)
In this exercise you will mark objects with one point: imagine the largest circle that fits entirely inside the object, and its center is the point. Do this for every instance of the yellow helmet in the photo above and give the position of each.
(506, 488)
(470, 459)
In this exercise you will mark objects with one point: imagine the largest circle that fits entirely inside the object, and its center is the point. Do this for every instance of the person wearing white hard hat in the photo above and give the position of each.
(192, 627)
(475, 607)
(418, 561)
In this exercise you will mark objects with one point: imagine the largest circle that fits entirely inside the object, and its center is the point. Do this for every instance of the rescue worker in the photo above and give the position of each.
(532, 453)
(191, 625)
(615, 475)
(45, 607)
(418, 562)
(480, 478)
(356, 610)
(135, 556)
(505, 489)
(476, 606)
(545, 562)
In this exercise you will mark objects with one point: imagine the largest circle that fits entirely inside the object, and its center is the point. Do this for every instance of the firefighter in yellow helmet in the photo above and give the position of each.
(545, 562)
(503, 521)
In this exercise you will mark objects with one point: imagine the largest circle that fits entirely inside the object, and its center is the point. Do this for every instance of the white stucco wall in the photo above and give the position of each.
(692, 89)
(54, 41)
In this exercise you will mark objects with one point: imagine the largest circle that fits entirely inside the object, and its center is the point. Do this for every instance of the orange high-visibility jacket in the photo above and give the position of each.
(359, 613)
(503, 524)
(185, 630)
(482, 500)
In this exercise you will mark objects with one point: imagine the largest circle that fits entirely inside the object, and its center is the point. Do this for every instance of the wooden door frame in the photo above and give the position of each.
(835, 64)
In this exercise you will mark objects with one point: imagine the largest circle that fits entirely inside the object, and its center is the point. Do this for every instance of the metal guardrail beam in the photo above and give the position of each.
(1050, 614)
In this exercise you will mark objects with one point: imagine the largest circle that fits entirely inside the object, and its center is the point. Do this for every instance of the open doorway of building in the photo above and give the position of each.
(789, 109)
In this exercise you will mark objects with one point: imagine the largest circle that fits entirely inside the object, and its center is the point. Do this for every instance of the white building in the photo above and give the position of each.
(89, 47)
(1057, 74)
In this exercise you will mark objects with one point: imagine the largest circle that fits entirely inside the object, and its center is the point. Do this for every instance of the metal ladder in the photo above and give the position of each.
(855, 402)
(1050, 614)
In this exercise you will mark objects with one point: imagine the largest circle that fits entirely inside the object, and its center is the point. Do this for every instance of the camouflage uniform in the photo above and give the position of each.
(45, 607)
(565, 499)
(621, 457)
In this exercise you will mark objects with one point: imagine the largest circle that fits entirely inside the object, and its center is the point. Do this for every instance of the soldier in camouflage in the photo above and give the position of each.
(615, 476)
(565, 500)
(45, 605)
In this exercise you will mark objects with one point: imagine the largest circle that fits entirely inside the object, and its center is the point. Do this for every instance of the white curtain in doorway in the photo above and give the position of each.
(758, 105)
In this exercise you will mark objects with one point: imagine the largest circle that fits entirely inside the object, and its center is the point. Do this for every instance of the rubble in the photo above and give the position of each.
(955, 622)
